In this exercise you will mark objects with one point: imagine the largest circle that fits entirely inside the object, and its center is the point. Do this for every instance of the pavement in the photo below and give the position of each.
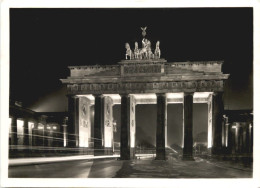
(145, 167)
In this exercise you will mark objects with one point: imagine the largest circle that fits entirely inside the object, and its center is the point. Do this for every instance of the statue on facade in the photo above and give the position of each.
(157, 52)
(128, 51)
(144, 31)
(136, 51)
(146, 51)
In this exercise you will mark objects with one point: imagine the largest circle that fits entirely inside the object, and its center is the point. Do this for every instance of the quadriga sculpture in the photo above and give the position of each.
(128, 51)
(157, 52)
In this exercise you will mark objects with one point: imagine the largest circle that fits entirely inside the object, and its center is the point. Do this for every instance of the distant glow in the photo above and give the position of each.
(48, 127)
(54, 127)
(234, 126)
(40, 127)
(113, 96)
(145, 96)
(10, 125)
(175, 95)
(201, 94)
(83, 133)
(108, 136)
(20, 131)
(31, 126)
(20, 124)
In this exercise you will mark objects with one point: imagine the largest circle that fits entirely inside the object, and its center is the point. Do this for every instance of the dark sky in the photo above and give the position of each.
(44, 42)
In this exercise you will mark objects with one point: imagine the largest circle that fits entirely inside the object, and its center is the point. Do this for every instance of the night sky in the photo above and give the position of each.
(44, 42)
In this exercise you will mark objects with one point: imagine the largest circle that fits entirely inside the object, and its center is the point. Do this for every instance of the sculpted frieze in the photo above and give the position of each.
(142, 69)
(202, 85)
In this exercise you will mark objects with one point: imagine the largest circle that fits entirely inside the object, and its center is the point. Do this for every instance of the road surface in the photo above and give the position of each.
(140, 168)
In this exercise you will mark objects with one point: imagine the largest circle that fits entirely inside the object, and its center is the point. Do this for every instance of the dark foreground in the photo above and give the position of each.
(140, 168)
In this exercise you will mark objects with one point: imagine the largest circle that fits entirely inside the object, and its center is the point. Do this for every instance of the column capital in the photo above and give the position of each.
(72, 96)
(188, 93)
(161, 94)
(98, 95)
(124, 94)
(216, 93)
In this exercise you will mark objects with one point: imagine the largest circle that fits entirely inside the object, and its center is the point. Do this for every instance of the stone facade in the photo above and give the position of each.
(129, 80)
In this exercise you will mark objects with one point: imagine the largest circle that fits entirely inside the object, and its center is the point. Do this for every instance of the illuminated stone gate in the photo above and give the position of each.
(134, 82)
(143, 78)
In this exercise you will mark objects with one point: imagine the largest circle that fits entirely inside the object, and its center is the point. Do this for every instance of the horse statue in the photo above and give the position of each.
(143, 51)
(149, 50)
(136, 51)
(157, 51)
(128, 51)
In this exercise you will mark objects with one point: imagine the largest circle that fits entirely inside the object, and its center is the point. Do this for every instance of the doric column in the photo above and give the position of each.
(230, 138)
(73, 122)
(161, 125)
(210, 136)
(98, 126)
(26, 133)
(218, 109)
(125, 127)
(188, 126)
(14, 131)
(132, 126)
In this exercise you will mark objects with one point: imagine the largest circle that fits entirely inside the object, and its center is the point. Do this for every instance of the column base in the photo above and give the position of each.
(99, 152)
(187, 158)
(160, 156)
(132, 153)
(108, 151)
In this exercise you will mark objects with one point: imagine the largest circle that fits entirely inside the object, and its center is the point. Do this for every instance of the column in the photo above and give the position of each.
(188, 125)
(125, 127)
(65, 135)
(26, 133)
(13, 142)
(230, 139)
(108, 125)
(98, 126)
(218, 109)
(73, 122)
(161, 125)
(14, 131)
(34, 134)
(210, 136)
(132, 126)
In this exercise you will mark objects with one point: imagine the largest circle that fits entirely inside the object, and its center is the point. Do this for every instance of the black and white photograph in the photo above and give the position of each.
(126, 93)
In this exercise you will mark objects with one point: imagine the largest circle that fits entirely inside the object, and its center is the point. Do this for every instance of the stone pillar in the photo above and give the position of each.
(26, 133)
(65, 135)
(108, 125)
(14, 131)
(35, 134)
(98, 126)
(161, 126)
(218, 109)
(84, 121)
(73, 122)
(125, 127)
(250, 138)
(230, 139)
(210, 136)
(188, 126)
(132, 126)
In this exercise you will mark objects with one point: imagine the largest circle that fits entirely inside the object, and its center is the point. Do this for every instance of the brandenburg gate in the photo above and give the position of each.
(143, 78)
